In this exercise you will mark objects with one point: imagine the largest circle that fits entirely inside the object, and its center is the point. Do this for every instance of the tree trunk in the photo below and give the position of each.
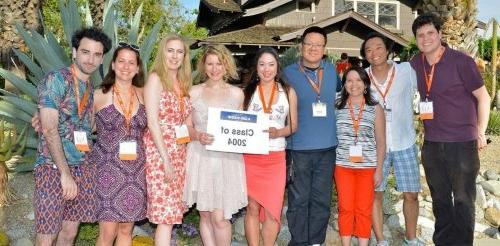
(24, 12)
(6, 195)
(494, 57)
(459, 22)
(97, 12)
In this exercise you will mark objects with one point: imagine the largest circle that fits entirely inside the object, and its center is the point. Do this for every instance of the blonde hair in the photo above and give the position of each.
(183, 73)
(225, 58)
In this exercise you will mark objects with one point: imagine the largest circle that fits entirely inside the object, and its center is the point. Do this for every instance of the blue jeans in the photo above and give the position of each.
(310, 195)
(451, 170)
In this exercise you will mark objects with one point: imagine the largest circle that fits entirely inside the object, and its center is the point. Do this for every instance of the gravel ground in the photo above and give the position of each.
(490, 158)
(17, 220)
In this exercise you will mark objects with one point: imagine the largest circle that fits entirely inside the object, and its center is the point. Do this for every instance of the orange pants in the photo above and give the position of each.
(355, 191)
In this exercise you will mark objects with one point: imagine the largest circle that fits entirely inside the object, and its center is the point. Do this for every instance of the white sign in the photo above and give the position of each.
(238, 131)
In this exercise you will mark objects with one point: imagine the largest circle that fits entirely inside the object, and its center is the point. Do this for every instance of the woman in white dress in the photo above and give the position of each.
(215, 180)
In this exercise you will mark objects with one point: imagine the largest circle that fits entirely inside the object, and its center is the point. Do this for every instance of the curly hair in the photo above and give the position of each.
(93, 33)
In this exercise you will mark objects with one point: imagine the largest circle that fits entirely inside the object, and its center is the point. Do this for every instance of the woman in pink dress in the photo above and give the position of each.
(267, 93)
(167, 107)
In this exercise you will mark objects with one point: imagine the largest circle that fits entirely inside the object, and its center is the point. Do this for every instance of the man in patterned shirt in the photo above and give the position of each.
(64, 179)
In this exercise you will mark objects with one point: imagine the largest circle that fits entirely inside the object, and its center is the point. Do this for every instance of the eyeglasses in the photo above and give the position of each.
(311, 45)
(127, 45)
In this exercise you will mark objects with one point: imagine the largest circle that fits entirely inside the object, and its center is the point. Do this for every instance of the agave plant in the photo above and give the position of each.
(10, 145)
(48, 54)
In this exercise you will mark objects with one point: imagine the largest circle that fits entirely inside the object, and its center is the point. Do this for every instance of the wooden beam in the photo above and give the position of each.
(346, 23)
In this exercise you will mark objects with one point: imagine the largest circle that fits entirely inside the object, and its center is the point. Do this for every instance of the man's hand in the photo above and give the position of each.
(35, 122)
(70, 190)
(481, 141)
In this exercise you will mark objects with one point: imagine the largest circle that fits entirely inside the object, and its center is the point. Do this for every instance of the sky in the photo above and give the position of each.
(487, 8)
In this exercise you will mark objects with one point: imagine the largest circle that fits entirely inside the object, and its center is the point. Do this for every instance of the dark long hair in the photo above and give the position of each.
(342, 101)
(109, 79)
(250, 88)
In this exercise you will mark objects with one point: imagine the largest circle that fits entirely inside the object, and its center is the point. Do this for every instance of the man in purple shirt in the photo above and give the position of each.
(455, 108)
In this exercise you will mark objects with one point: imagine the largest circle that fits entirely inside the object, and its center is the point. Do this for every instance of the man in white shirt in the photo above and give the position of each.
(393, 86)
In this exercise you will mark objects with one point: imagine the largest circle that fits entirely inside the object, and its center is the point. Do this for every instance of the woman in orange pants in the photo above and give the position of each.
(360, 154)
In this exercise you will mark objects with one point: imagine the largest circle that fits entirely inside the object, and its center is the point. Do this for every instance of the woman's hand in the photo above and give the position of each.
(377, 177)
(169, 170)
(273, 133)
(205, 138)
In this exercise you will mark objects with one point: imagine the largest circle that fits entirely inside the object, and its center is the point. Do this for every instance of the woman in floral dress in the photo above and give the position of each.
(167, 107)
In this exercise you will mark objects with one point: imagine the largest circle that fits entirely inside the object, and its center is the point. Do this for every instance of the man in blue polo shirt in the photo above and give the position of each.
(312, 147)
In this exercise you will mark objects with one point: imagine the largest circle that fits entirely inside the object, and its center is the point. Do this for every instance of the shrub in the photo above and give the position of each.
(87, 235)
(494, 123)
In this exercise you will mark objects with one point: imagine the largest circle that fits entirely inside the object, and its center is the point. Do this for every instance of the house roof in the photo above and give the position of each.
(346, 17)
(255, 35)
(265, 7)
(223, 5)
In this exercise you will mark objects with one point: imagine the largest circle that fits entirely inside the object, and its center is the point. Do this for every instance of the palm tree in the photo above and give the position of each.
(24, 12)
(459, 22)
(97, 11)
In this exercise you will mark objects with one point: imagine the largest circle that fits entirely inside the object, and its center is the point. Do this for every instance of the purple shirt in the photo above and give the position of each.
(455, 107)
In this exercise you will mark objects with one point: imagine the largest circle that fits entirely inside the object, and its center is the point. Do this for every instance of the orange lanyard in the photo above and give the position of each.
(127, 112)
(392, 72)
(316, 86)
(267, 107)
(81, 103)
(355, 122)
(180, 97)
(181, 103)
(429, 78)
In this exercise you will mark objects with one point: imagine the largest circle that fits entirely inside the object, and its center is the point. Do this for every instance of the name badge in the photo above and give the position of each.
(81, 142)
(128, 150)
(356, 153)
(426, 110)
(319, 109)
(182, 134)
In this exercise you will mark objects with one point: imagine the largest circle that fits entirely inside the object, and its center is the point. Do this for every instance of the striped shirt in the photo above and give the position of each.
(366, 137)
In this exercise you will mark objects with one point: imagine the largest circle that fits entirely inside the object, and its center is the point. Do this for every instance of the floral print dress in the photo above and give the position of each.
(165, 205)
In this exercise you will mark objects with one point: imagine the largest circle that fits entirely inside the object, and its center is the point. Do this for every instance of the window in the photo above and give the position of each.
(367, 9)
(387, 15)
(305, 6)
(342, 6)
(382, 12)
